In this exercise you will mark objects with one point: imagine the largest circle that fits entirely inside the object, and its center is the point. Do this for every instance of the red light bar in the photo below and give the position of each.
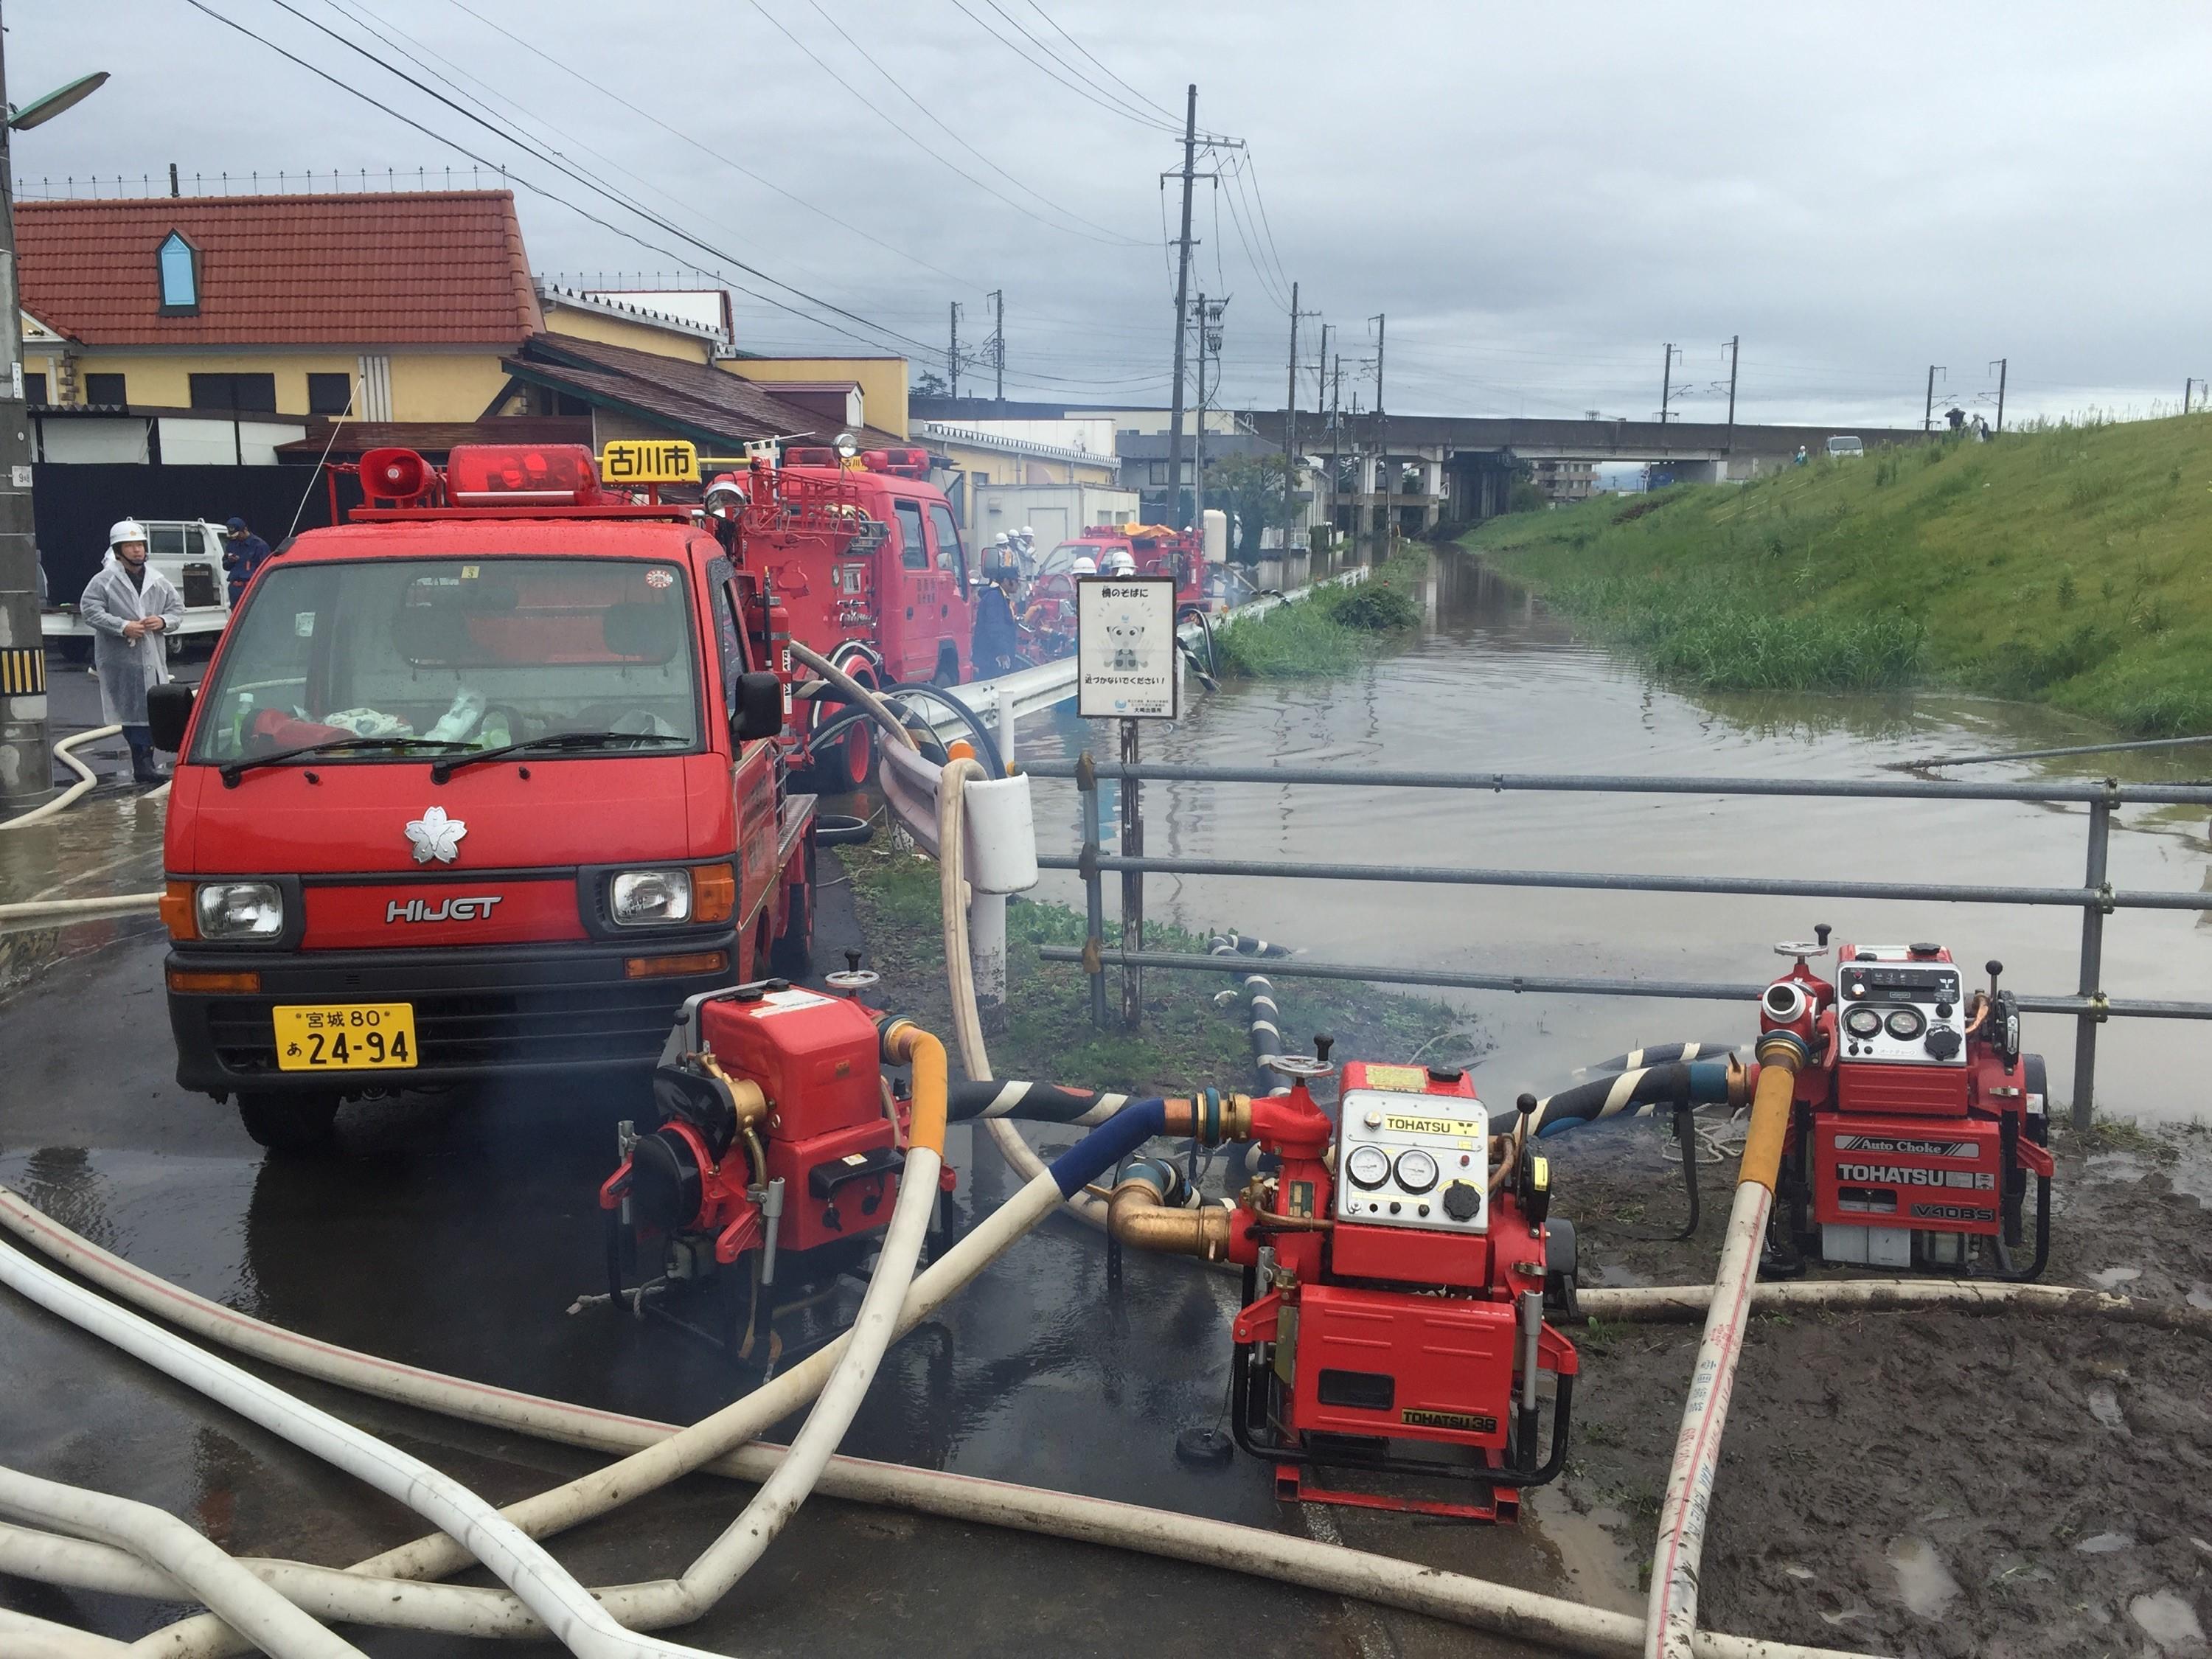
(522, 475)
(902, 463)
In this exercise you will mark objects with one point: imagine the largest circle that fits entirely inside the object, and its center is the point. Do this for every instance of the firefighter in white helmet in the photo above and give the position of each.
(131, 608)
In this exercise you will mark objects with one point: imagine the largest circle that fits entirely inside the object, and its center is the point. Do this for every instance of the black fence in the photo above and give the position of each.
(74, 502)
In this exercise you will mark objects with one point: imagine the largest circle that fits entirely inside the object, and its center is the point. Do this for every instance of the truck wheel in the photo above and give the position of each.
(792, 956)
(304, 1125)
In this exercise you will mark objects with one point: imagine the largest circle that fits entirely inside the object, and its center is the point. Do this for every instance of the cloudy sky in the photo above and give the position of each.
(1539, 198)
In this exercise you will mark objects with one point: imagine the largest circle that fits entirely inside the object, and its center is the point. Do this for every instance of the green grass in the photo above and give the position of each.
(2070, 565)
(1332, 631)
(1186, 1040)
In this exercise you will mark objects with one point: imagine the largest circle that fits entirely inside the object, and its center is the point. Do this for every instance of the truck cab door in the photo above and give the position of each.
(752, 775)
(909, 640)
(955, 596)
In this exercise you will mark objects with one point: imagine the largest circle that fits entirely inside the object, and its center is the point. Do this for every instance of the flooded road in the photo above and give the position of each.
(1498, 683)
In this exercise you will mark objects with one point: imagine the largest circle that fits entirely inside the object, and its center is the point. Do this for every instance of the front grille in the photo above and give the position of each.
(500, 1016)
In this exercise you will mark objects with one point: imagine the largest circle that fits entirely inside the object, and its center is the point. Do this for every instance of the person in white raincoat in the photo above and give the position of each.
(131, 607)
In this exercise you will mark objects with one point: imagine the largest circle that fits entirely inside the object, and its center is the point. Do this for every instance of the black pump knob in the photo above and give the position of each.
(1995, 968)
(1322, 1044)
(853, 962)
(1820, 932)
(1525, 1104)
(1462, 1200)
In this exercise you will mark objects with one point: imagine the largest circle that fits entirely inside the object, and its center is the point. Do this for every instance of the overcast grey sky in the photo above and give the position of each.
(1539, 196)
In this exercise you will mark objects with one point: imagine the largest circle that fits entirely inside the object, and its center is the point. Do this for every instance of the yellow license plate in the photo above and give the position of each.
(345, 1036)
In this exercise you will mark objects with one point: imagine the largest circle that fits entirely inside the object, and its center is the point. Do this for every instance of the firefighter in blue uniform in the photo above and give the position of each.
(992, 649)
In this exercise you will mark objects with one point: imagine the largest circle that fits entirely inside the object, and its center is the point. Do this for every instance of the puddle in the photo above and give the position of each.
(2167, 1619)
(2118, 1166)
(2105, 1407)
(1617, 1276)
(2110, 1278)
(2192, 1178)
(2105, 1543)
(2200, 1295)
(1599, 1572)
(1923, 1583)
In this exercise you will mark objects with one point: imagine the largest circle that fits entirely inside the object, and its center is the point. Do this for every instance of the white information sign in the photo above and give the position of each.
(1125, 648)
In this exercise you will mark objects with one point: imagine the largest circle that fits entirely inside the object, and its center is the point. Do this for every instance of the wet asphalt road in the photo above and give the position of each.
(455, 1236)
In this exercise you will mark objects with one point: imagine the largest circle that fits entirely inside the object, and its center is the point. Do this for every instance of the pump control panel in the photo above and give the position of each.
(1901, 1005)
(1406, 1159)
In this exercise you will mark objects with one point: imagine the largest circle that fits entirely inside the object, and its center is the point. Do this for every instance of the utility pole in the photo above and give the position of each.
(1736, 345)
(1667, 380)
(2188, 386)
(1335, 443)
(1928, 415)
(1381, 319)
(1291, 430)
(26, 766)
(1198, 434)
(2001, 366)
(952, 353)
(1182, 303)
(998, 344)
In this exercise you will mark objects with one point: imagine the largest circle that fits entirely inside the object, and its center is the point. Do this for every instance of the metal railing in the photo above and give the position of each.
(2096, 897)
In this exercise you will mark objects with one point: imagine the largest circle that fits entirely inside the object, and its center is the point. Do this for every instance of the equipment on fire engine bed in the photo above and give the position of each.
(1918, 1122)
(1398, 1266)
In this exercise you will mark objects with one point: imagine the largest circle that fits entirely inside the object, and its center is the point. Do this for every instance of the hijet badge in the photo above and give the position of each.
(1125, 648)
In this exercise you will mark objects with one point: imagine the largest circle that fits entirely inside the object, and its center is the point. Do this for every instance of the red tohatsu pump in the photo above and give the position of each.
(1918, 1122)
(481, 785)
(1399, 1262)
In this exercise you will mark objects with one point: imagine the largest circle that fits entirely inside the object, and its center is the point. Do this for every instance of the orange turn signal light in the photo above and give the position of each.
(177, 911)
(714, 893)
(188, 982)
(688, 962)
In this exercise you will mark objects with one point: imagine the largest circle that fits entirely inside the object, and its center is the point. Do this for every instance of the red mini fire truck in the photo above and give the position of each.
(483, 782)
(865, 558)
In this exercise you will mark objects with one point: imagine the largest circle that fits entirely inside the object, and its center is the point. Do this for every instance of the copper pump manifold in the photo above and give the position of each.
(1136, 1217)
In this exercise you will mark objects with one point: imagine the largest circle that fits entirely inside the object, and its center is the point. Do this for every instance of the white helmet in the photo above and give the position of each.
(1027, 531)
(1084, 565)
(1121, 562)
(1001, 540)
(125, 530)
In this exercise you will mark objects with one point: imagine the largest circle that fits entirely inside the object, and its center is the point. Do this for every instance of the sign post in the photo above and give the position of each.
(1125, 659)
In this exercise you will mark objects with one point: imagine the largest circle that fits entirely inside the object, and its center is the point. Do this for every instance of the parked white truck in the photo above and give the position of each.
(189, 552)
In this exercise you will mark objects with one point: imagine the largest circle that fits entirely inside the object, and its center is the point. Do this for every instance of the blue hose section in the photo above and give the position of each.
(1653, 1087)
(1108, 1143)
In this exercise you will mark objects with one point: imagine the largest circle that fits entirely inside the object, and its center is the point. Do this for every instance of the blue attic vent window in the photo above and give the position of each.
(181, 276)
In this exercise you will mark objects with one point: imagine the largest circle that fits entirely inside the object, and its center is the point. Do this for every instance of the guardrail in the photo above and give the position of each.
(2096, 898)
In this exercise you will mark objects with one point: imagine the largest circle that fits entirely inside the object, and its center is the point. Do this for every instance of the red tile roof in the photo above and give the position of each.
(400, 269)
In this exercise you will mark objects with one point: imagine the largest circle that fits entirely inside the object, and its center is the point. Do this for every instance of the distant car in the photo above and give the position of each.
(1845, 449)
(189, 552)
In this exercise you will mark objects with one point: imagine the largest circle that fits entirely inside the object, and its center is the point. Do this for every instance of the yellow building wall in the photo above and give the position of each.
(430, 385)
(882, 381)
(1003, 468)
(621, 331)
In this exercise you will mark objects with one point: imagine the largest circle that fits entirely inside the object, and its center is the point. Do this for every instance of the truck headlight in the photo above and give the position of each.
(650, 898)
(239, 910)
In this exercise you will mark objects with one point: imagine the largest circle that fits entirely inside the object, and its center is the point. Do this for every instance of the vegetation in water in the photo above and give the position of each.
(1330, 631)
(1185, 1041)
(2064, 564)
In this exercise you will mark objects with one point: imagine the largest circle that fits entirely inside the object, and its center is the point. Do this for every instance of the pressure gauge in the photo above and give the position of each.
(1417, 1171)
(1905, 1024)
(1369, 1166)
(1863, 1022)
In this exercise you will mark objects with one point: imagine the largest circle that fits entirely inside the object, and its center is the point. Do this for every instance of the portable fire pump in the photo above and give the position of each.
(1918, 1122)
(1398, 1265)
(779, 1135)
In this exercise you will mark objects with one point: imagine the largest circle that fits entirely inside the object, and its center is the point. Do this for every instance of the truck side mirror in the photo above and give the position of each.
(759, 708)
(168, 712)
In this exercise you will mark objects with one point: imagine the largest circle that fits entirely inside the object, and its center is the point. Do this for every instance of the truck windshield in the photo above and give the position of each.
(479, 652)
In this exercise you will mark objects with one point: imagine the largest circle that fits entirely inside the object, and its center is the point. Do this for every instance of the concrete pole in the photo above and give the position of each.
(987, 947)
(1182, 314)
(26, 766)
(1291, 431)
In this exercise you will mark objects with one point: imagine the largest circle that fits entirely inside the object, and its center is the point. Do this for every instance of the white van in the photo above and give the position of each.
(1846, 449)
(189, 552)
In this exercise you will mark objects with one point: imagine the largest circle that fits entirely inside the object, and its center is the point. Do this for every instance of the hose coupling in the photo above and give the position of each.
(1140, 1215)
(1784, 1048)
(747, 1098)
(1210, 1116)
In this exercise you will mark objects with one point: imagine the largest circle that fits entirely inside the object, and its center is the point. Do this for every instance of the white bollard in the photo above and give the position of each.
(987, 946)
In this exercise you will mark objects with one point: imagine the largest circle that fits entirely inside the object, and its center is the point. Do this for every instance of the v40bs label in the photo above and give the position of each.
(347, 1037)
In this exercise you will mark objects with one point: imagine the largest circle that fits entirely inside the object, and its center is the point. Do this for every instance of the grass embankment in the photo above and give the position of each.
(2071, 565)
(1330, 631)
(1185, 1041)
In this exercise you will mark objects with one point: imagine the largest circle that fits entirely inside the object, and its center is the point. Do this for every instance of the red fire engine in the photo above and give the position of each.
(481, 783)
(864, 556)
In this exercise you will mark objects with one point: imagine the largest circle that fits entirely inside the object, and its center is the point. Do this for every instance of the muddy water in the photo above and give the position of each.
(1496, 682)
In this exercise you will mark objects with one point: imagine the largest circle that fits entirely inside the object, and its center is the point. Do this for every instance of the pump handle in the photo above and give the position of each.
(1525, 1104)
(1820, 932)
(1801, 948)
(1322, 1044)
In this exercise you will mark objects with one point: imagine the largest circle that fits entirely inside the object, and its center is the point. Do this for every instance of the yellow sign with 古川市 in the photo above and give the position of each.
(649, 461)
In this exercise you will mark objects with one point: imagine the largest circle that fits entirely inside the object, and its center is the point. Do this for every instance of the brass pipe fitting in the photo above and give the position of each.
(1211, 1117)
(747, 1097)
(1136, 1217)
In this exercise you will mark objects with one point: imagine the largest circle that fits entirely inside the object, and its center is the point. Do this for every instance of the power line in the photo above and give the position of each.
(1094, 57)
(766, 183)
(1253, 166)
(1081, 89)
(900, 88)
(939, 156)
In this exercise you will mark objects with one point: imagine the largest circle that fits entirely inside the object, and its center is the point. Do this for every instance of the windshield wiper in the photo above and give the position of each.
(232, 770)
(446, 768)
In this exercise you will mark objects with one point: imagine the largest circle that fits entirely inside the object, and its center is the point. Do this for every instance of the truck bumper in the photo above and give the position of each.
(501, 1011)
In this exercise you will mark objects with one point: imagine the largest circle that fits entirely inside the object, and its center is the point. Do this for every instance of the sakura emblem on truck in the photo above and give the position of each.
(435, 835)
